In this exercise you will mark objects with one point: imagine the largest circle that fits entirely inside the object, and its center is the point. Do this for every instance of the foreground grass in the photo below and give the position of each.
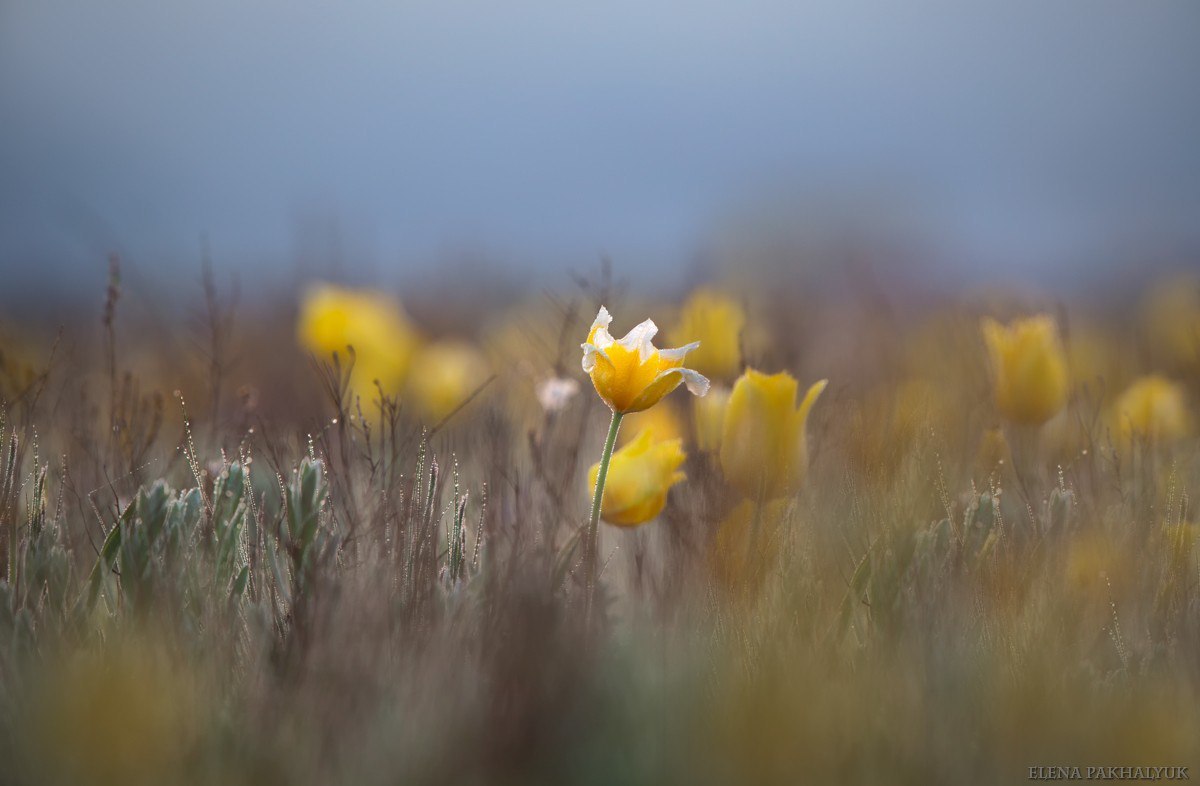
(359, 600)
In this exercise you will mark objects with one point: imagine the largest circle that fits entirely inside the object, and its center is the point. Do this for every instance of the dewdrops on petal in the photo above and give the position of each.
(631, 375)
(639, 477)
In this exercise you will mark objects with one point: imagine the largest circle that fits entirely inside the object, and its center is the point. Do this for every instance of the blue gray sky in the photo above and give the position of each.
(1022, 132)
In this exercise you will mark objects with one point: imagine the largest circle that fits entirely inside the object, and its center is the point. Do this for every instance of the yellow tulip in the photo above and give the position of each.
(716, 321)
(1153, 407)
(662, 421)
(444, 375)
(639, 476)
(1029, 368)
(631, 374)
(708, 418)
(332, 318)
(764, 450)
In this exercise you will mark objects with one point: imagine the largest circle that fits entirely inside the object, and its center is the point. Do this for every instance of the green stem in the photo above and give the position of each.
(594, 523)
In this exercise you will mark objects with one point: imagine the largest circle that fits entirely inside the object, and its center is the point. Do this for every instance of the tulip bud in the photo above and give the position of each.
(764, 451)
(1029, 368)
(639, 477)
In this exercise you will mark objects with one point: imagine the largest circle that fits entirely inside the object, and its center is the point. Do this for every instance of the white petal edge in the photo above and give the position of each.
(697, 383)
(589, 355)
(641, 338)
(680, 352)
(600, 325)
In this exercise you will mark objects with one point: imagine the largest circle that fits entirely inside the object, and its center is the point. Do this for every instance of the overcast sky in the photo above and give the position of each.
(550, 131)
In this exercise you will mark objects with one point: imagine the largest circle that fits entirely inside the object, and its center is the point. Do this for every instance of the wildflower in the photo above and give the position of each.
(1153, 407)
(444, 375)
(631, 374)
(1029, 368)
(332, 318)
(716, 321)
(639, 476)
(553, 393)
(708, 418)
(764, 451)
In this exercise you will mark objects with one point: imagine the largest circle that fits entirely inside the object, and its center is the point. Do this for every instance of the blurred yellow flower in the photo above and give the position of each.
(1153, 407)
(639, 476)
(1029, 368)
(1094, 559)
(128, 714)
(764, 450)
(708, 418)
(662, 421)
(332, 318)
(1171, 315)
(716, 321)
(444, 374)
(631, 374)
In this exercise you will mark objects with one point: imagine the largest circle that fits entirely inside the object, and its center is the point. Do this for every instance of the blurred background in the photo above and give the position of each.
(1050, 143)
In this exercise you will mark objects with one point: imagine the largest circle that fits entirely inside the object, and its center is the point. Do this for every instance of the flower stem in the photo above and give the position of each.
(592, 558)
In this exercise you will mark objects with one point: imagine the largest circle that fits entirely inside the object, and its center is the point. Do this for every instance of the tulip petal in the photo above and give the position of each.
(697, 383)
(598, 334)
(663, 383)
(641, 338)
(590, 353)
(678, 354)
(810, 398)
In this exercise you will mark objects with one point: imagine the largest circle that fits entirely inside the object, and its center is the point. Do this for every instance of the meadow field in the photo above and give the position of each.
(350, 536)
